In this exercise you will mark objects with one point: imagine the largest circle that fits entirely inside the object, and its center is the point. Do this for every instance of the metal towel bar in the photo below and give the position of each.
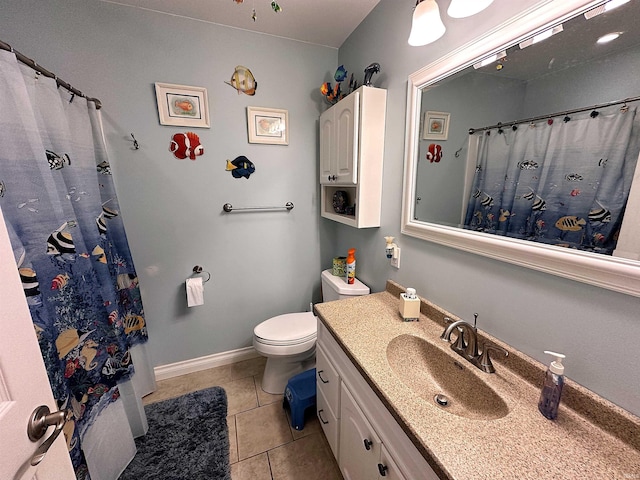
(227, 207)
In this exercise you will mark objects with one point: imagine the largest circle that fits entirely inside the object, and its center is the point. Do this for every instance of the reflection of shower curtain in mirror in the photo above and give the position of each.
(563, 183)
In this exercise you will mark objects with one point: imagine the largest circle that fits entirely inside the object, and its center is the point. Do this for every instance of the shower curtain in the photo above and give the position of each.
(69, 243)
(562, 181)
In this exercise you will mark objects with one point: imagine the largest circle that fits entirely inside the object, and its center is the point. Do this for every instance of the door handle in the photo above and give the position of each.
(41, 419)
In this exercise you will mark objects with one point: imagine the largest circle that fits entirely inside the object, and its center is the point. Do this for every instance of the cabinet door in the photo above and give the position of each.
(329, 422)
(359, 445)
(387, 468)
(346, 115)
(327, 147)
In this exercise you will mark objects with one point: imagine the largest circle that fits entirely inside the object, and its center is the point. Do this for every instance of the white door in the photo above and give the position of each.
(327, 147)
(23, 383)
(346, 138)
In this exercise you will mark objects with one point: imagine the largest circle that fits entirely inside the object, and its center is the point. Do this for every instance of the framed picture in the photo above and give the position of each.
(436, 126)
(268, 125)
(182, 106)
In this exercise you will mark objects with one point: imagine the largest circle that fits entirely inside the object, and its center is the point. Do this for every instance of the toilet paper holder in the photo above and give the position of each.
(198, 270)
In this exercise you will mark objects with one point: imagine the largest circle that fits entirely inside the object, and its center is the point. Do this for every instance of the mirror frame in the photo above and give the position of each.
(613, 273)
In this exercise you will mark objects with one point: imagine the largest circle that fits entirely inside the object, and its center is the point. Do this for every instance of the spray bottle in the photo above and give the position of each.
(351, 265)
(552, 387)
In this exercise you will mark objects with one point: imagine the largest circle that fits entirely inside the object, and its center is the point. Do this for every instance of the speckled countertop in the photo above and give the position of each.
(591, 438)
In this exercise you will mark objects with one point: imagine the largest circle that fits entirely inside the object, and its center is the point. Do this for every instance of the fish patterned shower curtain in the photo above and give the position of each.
(562, 182)
(69, 243)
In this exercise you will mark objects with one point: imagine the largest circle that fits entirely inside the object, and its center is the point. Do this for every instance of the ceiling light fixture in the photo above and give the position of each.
(426, 26)
(608, 37)
(466, 8)
(490, 59)
(607, 7)
(541, 36)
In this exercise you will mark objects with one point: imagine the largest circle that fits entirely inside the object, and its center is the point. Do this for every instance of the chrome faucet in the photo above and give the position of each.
(466, 344)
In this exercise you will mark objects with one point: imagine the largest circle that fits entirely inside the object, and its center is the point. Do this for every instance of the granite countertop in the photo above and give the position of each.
(591, 438)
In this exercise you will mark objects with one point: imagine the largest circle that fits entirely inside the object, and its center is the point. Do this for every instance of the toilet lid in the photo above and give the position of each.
(287, 329)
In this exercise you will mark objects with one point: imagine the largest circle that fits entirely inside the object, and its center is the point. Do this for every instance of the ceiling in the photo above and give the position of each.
(321, 22)
(575, 45)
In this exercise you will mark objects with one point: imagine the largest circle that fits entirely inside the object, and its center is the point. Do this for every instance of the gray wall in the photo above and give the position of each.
(532, 311)
(473, 99)
(262, 264)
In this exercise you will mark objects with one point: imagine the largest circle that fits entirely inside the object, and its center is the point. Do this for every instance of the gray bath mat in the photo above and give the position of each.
(188, 439)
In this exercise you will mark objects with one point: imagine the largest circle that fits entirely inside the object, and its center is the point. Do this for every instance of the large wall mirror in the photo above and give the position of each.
(523, 144)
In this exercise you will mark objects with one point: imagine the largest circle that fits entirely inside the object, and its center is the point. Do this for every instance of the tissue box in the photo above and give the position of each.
(339, 266)
(409, 308)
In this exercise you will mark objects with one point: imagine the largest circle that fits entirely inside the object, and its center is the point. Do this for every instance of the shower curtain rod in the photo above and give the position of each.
(27, 61)
(558, 114)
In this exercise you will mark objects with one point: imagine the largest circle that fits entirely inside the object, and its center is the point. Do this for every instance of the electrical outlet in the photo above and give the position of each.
(395, 262)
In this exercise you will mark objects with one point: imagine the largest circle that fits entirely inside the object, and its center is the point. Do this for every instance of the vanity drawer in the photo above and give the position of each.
(329, 422)
(328, 381)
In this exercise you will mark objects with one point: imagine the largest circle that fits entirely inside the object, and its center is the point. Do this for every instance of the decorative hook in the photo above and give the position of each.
(135, 142)
(457, 154)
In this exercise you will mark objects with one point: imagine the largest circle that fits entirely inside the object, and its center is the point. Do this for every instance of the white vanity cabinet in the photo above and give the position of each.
(327, 398)
(369, 444)
(351, 154)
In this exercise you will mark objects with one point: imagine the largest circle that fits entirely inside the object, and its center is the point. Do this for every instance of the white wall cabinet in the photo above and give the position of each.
(370, 443)
(351, 156)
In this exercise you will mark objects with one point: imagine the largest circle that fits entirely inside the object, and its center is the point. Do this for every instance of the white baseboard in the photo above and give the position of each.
(162, 372)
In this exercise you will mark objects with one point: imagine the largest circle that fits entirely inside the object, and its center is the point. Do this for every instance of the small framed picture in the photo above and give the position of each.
(182, 106)
(268, 125)
(436, 126)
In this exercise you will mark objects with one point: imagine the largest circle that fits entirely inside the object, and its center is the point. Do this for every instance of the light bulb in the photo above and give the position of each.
(466, 8)
(426, 26)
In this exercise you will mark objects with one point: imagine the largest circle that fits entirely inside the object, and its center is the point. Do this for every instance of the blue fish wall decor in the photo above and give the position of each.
(240, 167)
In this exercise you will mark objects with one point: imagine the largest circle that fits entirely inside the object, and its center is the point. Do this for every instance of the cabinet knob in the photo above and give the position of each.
(382, 469)
(367, 444)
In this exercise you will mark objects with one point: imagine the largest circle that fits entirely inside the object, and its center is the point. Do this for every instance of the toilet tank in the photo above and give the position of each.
(336, 288)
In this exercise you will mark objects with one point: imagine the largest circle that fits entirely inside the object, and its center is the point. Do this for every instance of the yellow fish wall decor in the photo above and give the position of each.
(243, 81)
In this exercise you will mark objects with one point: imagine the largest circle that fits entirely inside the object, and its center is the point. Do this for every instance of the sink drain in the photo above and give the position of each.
(441, 400)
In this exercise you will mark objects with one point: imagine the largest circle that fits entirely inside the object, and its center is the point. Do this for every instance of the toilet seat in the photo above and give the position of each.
(288, 329)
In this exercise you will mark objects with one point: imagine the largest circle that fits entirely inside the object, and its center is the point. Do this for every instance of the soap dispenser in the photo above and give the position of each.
(552, 387)
(410, 305)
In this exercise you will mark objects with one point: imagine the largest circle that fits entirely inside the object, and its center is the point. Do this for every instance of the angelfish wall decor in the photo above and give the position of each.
(185, 145)
(243, 81)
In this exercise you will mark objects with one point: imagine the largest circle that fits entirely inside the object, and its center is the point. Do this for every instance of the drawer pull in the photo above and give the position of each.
(382, 469)
(320, 377)
(324, 422)
(367, 444)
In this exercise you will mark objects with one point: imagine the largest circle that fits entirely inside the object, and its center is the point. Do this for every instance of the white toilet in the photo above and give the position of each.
(289, 341)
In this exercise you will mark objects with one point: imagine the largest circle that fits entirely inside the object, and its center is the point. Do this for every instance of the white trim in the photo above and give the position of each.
(162, 372)
(618, 274)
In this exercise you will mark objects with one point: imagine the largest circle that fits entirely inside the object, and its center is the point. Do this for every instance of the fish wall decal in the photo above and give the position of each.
(243, 81)
(240, 167)
(185, 145)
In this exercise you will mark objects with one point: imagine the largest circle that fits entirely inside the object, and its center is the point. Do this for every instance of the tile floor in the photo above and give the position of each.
(263, 446)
